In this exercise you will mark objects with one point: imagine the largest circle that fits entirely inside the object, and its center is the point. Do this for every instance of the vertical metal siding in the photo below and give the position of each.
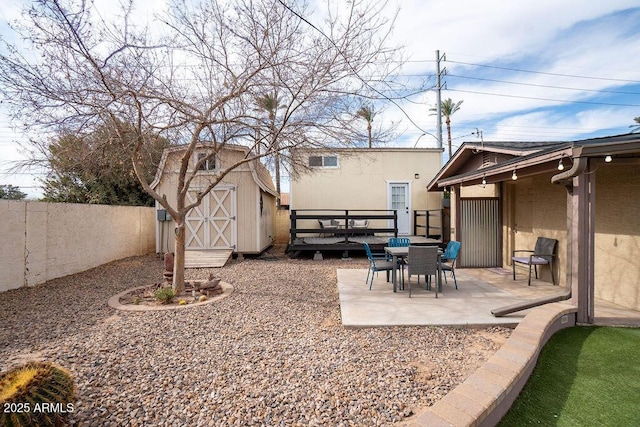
(480, 233)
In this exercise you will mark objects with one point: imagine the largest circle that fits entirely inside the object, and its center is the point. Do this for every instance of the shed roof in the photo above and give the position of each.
(259, 172)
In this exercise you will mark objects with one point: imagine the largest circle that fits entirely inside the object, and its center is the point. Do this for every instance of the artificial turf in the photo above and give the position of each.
(585, 376)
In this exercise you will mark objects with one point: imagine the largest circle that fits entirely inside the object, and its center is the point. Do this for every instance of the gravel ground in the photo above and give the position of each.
(273, 353)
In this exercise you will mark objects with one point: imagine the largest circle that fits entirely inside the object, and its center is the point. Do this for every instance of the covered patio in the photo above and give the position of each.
(585, 194)
(480, 290)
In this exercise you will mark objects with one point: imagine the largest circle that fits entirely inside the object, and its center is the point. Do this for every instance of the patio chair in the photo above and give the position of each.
(376, 265)
(359, 226)
(422, 260)
(542, 254)
(330, 225)
(448, 260)
(400, 242)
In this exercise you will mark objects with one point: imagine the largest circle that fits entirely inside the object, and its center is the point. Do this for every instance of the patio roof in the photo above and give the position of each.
(528, 158)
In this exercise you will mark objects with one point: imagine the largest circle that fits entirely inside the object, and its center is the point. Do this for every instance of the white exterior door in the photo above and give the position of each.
(212, 225)
(399, 200)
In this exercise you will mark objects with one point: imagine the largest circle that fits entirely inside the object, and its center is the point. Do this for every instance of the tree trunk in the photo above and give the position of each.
(178, 263)
(369, 131)
(277, 173)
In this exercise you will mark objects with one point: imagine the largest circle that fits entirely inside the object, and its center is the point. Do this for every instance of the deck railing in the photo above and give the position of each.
(344, 216)
(428, 223)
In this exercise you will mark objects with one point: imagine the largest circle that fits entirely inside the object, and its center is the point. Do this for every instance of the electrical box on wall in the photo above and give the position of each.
(163, 215)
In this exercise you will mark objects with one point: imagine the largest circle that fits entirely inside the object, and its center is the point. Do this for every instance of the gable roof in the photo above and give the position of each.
(259, 172)
(527, 158)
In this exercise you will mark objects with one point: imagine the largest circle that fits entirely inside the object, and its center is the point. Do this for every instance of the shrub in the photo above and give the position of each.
(164, 295)
(36, 394)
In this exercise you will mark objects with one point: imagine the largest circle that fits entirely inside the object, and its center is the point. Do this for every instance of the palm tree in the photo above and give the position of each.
(636, 127)
(367, 113)
(447, 108)
(270, 103)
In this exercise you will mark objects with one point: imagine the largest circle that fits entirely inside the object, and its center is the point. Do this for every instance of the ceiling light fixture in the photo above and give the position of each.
(560, 165)
(484, 182)
(514, 176)
(608, 158)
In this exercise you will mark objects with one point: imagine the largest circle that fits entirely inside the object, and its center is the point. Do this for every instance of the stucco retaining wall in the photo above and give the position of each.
(42, 241)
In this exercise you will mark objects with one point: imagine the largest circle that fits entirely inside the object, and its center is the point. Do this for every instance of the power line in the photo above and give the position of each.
(546, 73)
(545, 99)
(306, 21)
(545, 86)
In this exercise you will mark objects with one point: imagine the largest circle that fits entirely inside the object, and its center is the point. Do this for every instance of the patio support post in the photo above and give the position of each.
(454, 232)
(581, 241)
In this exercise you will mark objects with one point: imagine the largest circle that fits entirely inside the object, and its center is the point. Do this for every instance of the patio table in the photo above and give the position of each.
(398, 252)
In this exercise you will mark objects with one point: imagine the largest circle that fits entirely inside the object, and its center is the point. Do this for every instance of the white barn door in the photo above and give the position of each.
(212, 225)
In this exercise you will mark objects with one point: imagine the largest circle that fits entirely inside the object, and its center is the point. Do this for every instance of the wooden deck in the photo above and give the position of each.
(306, 235)
(331, 244)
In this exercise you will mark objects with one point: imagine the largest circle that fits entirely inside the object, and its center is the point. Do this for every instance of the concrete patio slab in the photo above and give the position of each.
(480, 290)
(469, 305)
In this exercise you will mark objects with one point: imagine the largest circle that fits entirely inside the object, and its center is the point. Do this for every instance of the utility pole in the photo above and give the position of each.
(438, 97)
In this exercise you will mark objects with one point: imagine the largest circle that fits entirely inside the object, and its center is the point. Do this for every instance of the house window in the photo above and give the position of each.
(323, 161)
(209, 164)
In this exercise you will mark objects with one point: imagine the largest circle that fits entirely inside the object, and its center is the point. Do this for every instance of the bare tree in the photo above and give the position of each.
(193, 75)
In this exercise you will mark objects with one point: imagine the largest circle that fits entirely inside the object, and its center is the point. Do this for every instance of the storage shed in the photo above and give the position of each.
(237, 216)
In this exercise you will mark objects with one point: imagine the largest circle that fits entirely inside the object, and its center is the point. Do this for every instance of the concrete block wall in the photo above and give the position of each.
(283, 226)
(41, 241)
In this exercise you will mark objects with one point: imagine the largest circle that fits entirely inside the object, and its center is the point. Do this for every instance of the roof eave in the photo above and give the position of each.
(525, 165)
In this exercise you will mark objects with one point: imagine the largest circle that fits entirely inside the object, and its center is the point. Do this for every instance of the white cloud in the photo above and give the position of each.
(561, 37)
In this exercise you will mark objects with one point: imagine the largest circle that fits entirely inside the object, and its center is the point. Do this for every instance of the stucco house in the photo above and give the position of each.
(367, 179)
(236, 217)
(382, 181)
(585, 194)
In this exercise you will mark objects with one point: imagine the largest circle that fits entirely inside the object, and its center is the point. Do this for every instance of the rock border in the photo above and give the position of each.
(114, 301)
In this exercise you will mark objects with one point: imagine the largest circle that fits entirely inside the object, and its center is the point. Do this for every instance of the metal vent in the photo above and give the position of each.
(488, 159)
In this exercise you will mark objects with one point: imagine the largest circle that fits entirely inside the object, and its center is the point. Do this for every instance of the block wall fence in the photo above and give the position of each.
(42, 241)
(283, 226)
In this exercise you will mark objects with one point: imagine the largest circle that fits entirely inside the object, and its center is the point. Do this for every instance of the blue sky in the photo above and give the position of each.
(525, 70)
